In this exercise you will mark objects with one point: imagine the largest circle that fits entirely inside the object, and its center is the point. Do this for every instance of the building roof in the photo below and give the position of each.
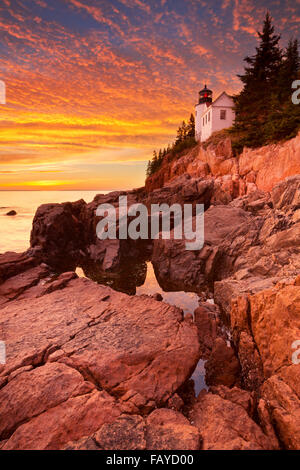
(223, 93)
(210, 105)
(205, 89)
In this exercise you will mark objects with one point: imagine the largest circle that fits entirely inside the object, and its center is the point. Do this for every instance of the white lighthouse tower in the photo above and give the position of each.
(205, 100)
(211, 116)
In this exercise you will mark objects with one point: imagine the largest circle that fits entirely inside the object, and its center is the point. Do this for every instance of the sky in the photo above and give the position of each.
(94, 86)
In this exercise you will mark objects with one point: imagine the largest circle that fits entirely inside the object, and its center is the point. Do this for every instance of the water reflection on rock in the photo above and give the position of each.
(187, 301)
(126, 280)
(139, 278)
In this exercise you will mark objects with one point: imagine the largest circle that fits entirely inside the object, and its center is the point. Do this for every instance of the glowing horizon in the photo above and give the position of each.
(93, 87)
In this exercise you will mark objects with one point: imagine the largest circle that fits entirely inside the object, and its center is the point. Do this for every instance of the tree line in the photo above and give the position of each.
(264, 109)
(185, 138)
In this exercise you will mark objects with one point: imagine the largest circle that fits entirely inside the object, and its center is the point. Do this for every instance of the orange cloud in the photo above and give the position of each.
(102, 82)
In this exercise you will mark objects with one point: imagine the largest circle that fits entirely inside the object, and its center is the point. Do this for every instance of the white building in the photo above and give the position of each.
(212, 116)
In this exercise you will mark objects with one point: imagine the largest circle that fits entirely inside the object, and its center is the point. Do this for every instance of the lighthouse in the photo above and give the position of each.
(211, 116)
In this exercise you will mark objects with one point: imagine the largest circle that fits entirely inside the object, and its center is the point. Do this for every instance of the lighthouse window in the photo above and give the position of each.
(223, 114)
(206, 119)
(208, 116)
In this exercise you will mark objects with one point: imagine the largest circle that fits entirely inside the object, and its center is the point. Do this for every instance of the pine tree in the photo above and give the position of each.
(288, 72)
(185, 138)
(148, 169)
(284, 117)
(160, 158)
(191, 127)
(154, 165)
(179, 137)
(184, 130)
(253, 103)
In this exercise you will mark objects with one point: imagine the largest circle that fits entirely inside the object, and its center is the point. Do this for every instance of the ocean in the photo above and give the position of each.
(15, 230)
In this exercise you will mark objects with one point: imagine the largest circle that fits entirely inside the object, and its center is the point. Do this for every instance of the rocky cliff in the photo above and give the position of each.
(253, 169)
(90, 367)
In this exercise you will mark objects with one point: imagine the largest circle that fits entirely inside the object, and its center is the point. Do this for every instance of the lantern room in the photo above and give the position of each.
(205, 96)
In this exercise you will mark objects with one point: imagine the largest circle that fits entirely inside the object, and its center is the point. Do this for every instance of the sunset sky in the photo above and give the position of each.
(93, 86)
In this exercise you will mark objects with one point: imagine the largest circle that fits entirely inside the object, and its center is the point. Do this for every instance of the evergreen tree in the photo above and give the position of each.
(185, 139)
(191, 127)
(284, 117)
(160, 158)
(148, 170)
(154, 165)
(179, 137)
(184, 130)
(288, 72)
(253, 103)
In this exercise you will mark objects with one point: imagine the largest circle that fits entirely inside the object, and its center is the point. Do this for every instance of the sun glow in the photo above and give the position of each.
(39, 183)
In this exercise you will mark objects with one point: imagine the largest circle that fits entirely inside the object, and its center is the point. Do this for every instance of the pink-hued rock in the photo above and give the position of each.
(265, 324)
(16, 285)
(281, 393)
(33, 392)
(236, 395)
(271, 163)
(86, 365)
(163, 429)
(206, 319)
(170, 430)
(126, 433)
(274, 316)
(260, 168)
(225, 425)
(58, 234)
(286, 194)
(12, 264)
(123, 342)
(228, 231)
(69, 337)
(222, 367)
(71, 420)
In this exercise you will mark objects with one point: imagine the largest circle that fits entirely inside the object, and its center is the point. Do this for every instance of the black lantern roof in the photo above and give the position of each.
(205, 90)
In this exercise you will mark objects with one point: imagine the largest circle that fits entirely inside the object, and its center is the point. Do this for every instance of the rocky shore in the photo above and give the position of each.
(90, 367)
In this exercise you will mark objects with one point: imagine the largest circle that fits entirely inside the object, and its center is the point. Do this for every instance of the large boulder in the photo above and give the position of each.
(286, 194)
(68, 338)
(228, 232)
(170, 430)
(281, 394)
(58, 234)
(182, 190)
(265, 325)
(226, 425)
(65, 236)
(163, 429)
(272, 318)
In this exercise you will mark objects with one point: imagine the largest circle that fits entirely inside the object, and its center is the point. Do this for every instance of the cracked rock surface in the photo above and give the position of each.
(79, 355)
